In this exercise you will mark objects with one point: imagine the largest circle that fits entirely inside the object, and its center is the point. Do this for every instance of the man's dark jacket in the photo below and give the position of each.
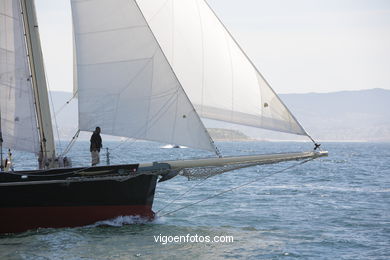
(96, 142)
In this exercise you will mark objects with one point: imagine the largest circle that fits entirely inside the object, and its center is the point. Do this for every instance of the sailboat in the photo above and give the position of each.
(144, 69)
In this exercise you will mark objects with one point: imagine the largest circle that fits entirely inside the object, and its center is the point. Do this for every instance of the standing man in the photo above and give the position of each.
(96, 144)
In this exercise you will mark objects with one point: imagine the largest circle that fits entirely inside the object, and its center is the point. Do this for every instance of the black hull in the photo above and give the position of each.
(73, 197)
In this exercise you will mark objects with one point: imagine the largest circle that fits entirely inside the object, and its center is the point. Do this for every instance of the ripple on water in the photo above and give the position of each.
(333, 208)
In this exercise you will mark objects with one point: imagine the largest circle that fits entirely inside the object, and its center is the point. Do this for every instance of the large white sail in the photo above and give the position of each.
(125, 83)
(18, 118)
(216, 74)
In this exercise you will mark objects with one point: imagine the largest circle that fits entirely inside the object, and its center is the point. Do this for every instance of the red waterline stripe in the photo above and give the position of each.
(13, 220)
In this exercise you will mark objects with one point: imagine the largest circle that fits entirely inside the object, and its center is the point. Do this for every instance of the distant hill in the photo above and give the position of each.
(347, 115)
(338, 116)
(220, 134)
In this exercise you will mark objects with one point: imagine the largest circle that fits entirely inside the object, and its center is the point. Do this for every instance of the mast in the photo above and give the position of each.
(38, 78)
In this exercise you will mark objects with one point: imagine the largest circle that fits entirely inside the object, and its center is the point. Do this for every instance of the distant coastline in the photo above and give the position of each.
(221, 135)
(343, 116)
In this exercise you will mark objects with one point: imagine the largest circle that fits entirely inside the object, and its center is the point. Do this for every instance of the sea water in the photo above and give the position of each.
(330, 208)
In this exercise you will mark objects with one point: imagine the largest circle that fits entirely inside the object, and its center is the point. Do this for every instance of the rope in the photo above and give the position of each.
(71, 143)
(52, 107)
(153, 121)
(122, 142)
(237, 187)
(230, 169)
(55, 118)
(181, 195)
(316, 145)
(66, 103)
(150, 123)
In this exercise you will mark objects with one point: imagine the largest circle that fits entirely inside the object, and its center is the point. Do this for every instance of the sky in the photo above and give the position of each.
(300, 46)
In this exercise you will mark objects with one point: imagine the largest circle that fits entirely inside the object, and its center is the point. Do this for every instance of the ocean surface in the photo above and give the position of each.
(332, 208)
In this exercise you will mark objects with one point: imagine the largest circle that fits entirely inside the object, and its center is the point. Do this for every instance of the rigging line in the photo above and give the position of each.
(153, 121)
(139, 73)
(159, 10)
(182, 195)
(71, 143)
(237, 187)
(52, 104)
(186, 192)
(66, 103)
(52, 107)
(134, 139)
(122, 142)
(54, 115)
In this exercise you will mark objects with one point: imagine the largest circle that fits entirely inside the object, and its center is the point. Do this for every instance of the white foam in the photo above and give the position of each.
(170, 146)
(121, 221)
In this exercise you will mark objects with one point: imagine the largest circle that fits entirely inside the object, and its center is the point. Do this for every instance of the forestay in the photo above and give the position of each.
(125, 83)
(216, 74)
(18, 118)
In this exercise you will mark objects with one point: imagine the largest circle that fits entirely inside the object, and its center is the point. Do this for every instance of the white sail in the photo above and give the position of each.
(125, 83)
(216, 74)
(18, 118)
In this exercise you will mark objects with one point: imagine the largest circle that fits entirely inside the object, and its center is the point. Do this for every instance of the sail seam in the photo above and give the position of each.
(176, 115)
(136, 76)
(114, 62)
(254, 118)
(150, 98)
(232, 70)
(6, 50)
(172, 70)
(13, 87)
(203, 54)
(140, 132)
(173, 30)
(159, 10)
(150, 123)
(8, 16)
(27, 66)
(253, 65)
(110, 30)
(9, 86)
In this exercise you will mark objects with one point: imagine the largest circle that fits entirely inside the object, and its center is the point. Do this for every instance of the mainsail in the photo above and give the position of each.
(149, 70)
(218, 77)
(18, 116)
(125, 83)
